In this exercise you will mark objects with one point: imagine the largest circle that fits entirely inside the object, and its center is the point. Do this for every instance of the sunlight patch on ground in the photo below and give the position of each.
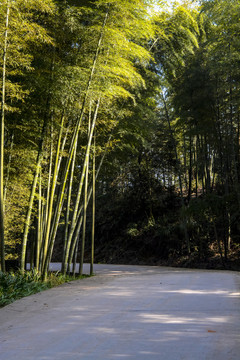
(168, 319)
(201, 292)
(235, 294)
(121, 293)
(122, 355)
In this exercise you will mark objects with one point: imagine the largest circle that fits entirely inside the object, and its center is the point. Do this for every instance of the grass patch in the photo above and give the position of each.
(14, 286)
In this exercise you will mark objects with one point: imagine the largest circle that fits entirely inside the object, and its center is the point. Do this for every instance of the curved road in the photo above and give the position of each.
(128, 312)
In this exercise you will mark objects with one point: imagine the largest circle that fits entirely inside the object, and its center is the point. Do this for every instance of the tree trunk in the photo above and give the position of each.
(31, 200)
(68, 207)
(2, 241)
(84, 215)
(39, 227)
(179, 177)
(52, 192)
(74, 138)
(93, 205)
(76, 207)
(190, 169)
(80, 217)
(8, 170)
(48, 190)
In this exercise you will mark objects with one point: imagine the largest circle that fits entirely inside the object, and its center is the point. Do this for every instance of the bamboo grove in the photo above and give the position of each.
(105, 102)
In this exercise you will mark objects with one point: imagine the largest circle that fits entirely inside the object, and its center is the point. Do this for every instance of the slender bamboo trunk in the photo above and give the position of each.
(93, 205)
(190, 169)
(85, 202)
(68, 206)
(80, 217)
(207, 166)
(196, 166)
(233, 142)
(62, 191)
(50, 176)
(76, 207)
(220, 140)
(52, 192)
(229, 237)
(184, 160)
(63, 146)
(84, 215)
(32, 253)
(75, 259)
(39, 232)
(212, 172)
(75, 239)
(2, 241)
(41, 236)
(48, 190)
(202, 166)
(179, 177)
(8, 170)
(32, 196)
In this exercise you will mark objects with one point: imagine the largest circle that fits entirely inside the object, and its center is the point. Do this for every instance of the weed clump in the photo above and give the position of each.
(15, 285)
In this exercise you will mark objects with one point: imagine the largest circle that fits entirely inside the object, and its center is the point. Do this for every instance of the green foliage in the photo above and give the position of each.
(176, 36)
(55, 279)
(167, 86)
(24, 31)
(14, 286)
(190, 133)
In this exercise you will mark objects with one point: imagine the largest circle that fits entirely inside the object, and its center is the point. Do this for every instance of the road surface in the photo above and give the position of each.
(128, 312)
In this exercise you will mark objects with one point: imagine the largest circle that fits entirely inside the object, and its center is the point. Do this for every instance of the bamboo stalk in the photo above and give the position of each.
(72, 146)
(8, 170)
(179, 177)
(52, 192)
(68, 207)
(39, 232)
(93, 205)
(80, 217)
(84, 214)
(80, 187)
(2, 240)
(32, 195)
(48, 190)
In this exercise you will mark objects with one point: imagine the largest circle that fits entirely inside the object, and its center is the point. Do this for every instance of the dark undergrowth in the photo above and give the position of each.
(118, 254)
(155, 229)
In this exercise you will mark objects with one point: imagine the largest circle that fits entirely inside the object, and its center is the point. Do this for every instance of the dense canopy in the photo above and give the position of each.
(120, 132)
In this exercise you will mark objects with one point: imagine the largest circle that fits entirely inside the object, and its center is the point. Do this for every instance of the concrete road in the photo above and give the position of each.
(128, 312)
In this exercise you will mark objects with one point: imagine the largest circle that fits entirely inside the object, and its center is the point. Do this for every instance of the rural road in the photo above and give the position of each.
(128, 312)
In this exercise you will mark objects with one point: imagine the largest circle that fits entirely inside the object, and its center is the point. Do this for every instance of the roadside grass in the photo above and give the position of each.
(15, 285)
